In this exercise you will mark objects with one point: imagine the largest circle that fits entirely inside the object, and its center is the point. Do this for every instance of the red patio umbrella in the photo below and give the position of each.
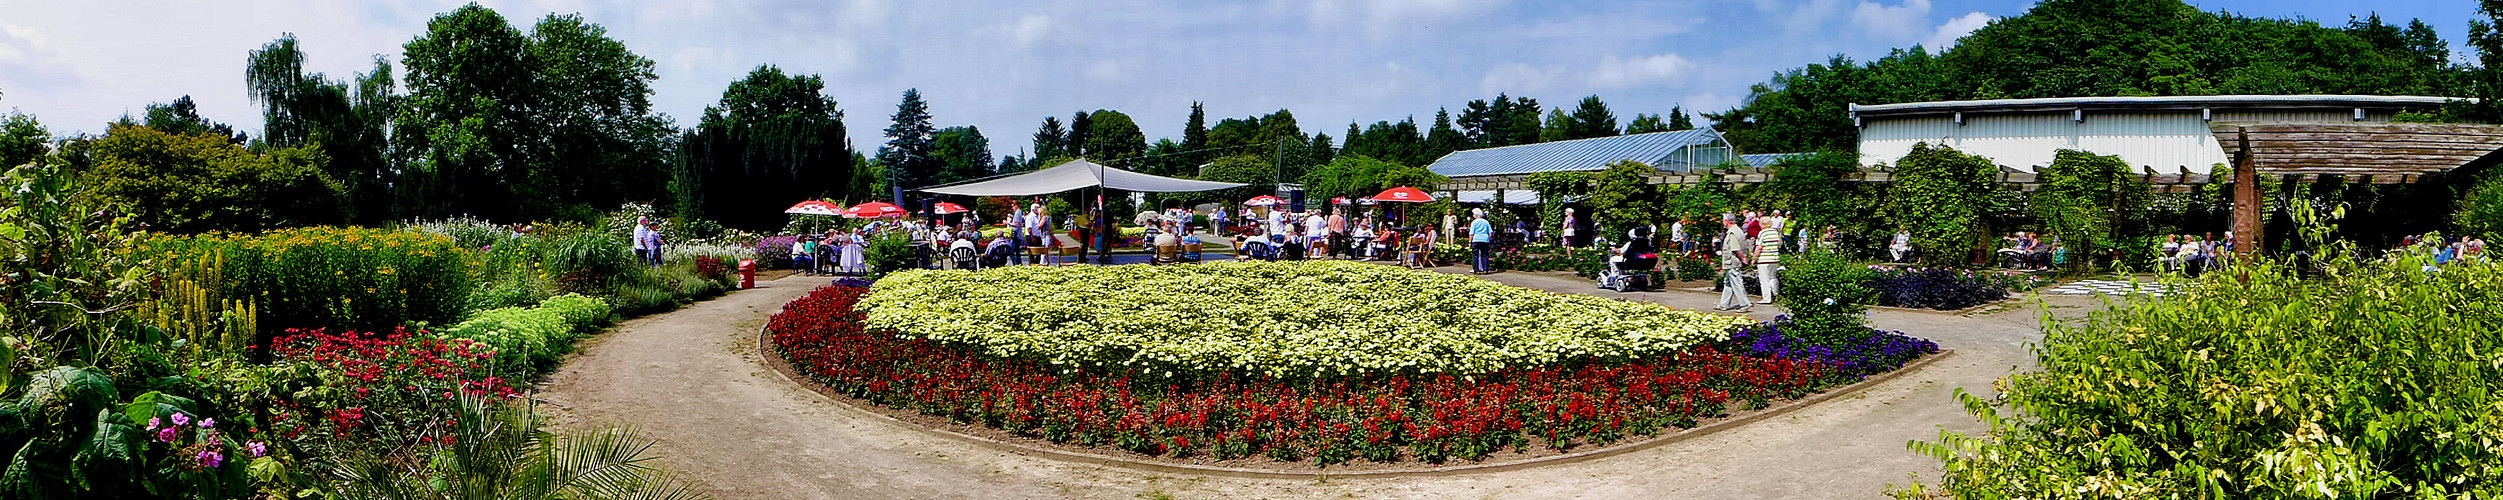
(1404, 193)
(1342, 200)
(815, 207)
(1264, 201)
(875, 209)
(944, 208)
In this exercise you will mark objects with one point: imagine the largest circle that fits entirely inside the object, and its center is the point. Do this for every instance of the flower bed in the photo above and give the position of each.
(1287, 319)
(1223, 415)
(1946, 289)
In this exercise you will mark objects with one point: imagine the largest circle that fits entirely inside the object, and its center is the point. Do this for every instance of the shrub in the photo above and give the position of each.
(579, 310)
(1698, 269)
(347, 393)
(586, 262)
(1827, 295)
(2374, 380)
(1941, 196)
(1856, 354)
(524, 339)
(356, 278)
(890, 253)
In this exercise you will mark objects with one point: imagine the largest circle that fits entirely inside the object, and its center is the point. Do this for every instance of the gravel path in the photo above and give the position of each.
(693, 380)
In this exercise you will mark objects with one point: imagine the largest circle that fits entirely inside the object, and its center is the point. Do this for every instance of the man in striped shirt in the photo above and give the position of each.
(1769, 253)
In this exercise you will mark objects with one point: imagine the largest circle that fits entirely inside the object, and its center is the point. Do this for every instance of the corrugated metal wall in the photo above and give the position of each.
(2162, 140)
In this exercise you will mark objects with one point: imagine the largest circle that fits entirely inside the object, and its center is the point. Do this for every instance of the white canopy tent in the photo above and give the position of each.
(1077, 174)
(1511, 196)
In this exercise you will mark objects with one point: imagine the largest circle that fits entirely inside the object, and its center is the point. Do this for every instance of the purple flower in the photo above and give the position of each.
(256, 448)
(165, 434)
(153, 422)
(208, 423)
(210, 458)
(181, 419)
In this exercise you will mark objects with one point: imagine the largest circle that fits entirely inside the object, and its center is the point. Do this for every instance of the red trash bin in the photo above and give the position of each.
(747, 273)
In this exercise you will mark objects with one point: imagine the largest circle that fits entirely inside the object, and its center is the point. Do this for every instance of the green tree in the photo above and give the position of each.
(182, 117)
(350, 124)
(1942, 197)
(1622, 196)
(962, 153)
(1505, 121)
(1644, 124)
(1813, 188)
(1050, 140)
(1591, 119)
(1195, 135)
(22, 140)
(1112, 138)
(601, 145)
(1254, 170)
(1443, 138)
(466, 117)
(1558, 127)
(909, 163)
(200, 182)
(1323, 151)
(773, 139)
(1678, 119)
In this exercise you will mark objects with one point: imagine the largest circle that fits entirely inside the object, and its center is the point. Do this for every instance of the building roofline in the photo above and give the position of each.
(2154, 102)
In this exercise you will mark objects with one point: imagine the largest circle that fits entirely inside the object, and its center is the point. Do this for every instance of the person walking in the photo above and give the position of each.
(1733, 252)
(1451, 222)
(1677, 236)
(1571, 222)
(1216, 221)
(1481, 241)
(643, 240)
(1769, 255)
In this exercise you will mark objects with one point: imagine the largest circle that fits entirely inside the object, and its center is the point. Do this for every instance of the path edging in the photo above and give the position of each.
(772, 358)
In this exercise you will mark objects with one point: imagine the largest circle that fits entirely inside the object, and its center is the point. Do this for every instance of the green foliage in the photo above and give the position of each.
(1113, 139)
(1553, 188)
(586, 261)
(2481, 211)
(1591, 119)
(1813, 189)
(501, 449)
(2089, 201)
(1943, 197)
(22, 140)
(65, 268)
(350, 278)
(1355, 176)
(526, 339)
(350, 124)
(73, 437)
(772, 140)
(196, 183)
(889, 254)
(1827, 296)
(579, 310)
(2370, 380)
(507, 125)
(1622, 197)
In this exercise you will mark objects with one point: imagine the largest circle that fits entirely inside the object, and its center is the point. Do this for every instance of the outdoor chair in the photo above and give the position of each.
(965, 258)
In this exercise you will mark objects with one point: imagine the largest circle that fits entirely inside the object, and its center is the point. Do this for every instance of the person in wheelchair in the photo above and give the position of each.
(1630, 267)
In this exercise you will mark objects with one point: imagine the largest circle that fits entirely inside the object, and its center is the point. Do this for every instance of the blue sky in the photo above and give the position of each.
(1004, 65)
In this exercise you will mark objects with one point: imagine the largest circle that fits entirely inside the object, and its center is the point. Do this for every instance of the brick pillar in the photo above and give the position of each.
(2246, 199)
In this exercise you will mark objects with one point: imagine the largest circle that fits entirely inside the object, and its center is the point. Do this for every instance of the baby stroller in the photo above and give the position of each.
(1630, 269)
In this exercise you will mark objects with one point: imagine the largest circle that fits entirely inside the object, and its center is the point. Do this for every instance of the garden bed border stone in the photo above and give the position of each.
(773, 358)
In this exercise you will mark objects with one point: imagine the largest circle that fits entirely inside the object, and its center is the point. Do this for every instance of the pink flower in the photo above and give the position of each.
(153, 422)
(165, 434)
(181, 419)
(210, 458)
(256, 448)
(207, 423)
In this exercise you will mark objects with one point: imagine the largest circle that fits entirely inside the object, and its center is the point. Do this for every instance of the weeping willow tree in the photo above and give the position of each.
(773, 140)
(351, 124)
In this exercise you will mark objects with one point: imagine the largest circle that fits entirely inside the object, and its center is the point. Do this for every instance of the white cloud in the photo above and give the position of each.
(1615, 73)
(1955, 29)
(1900, 22)
(1520, 79)
(1029, 29)
(1382, 19)
(1108, 71)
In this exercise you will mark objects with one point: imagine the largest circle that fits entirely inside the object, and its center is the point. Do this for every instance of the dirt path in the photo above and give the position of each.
(693, 380)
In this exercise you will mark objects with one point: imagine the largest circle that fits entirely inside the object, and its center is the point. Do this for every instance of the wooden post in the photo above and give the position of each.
(2246, 199)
